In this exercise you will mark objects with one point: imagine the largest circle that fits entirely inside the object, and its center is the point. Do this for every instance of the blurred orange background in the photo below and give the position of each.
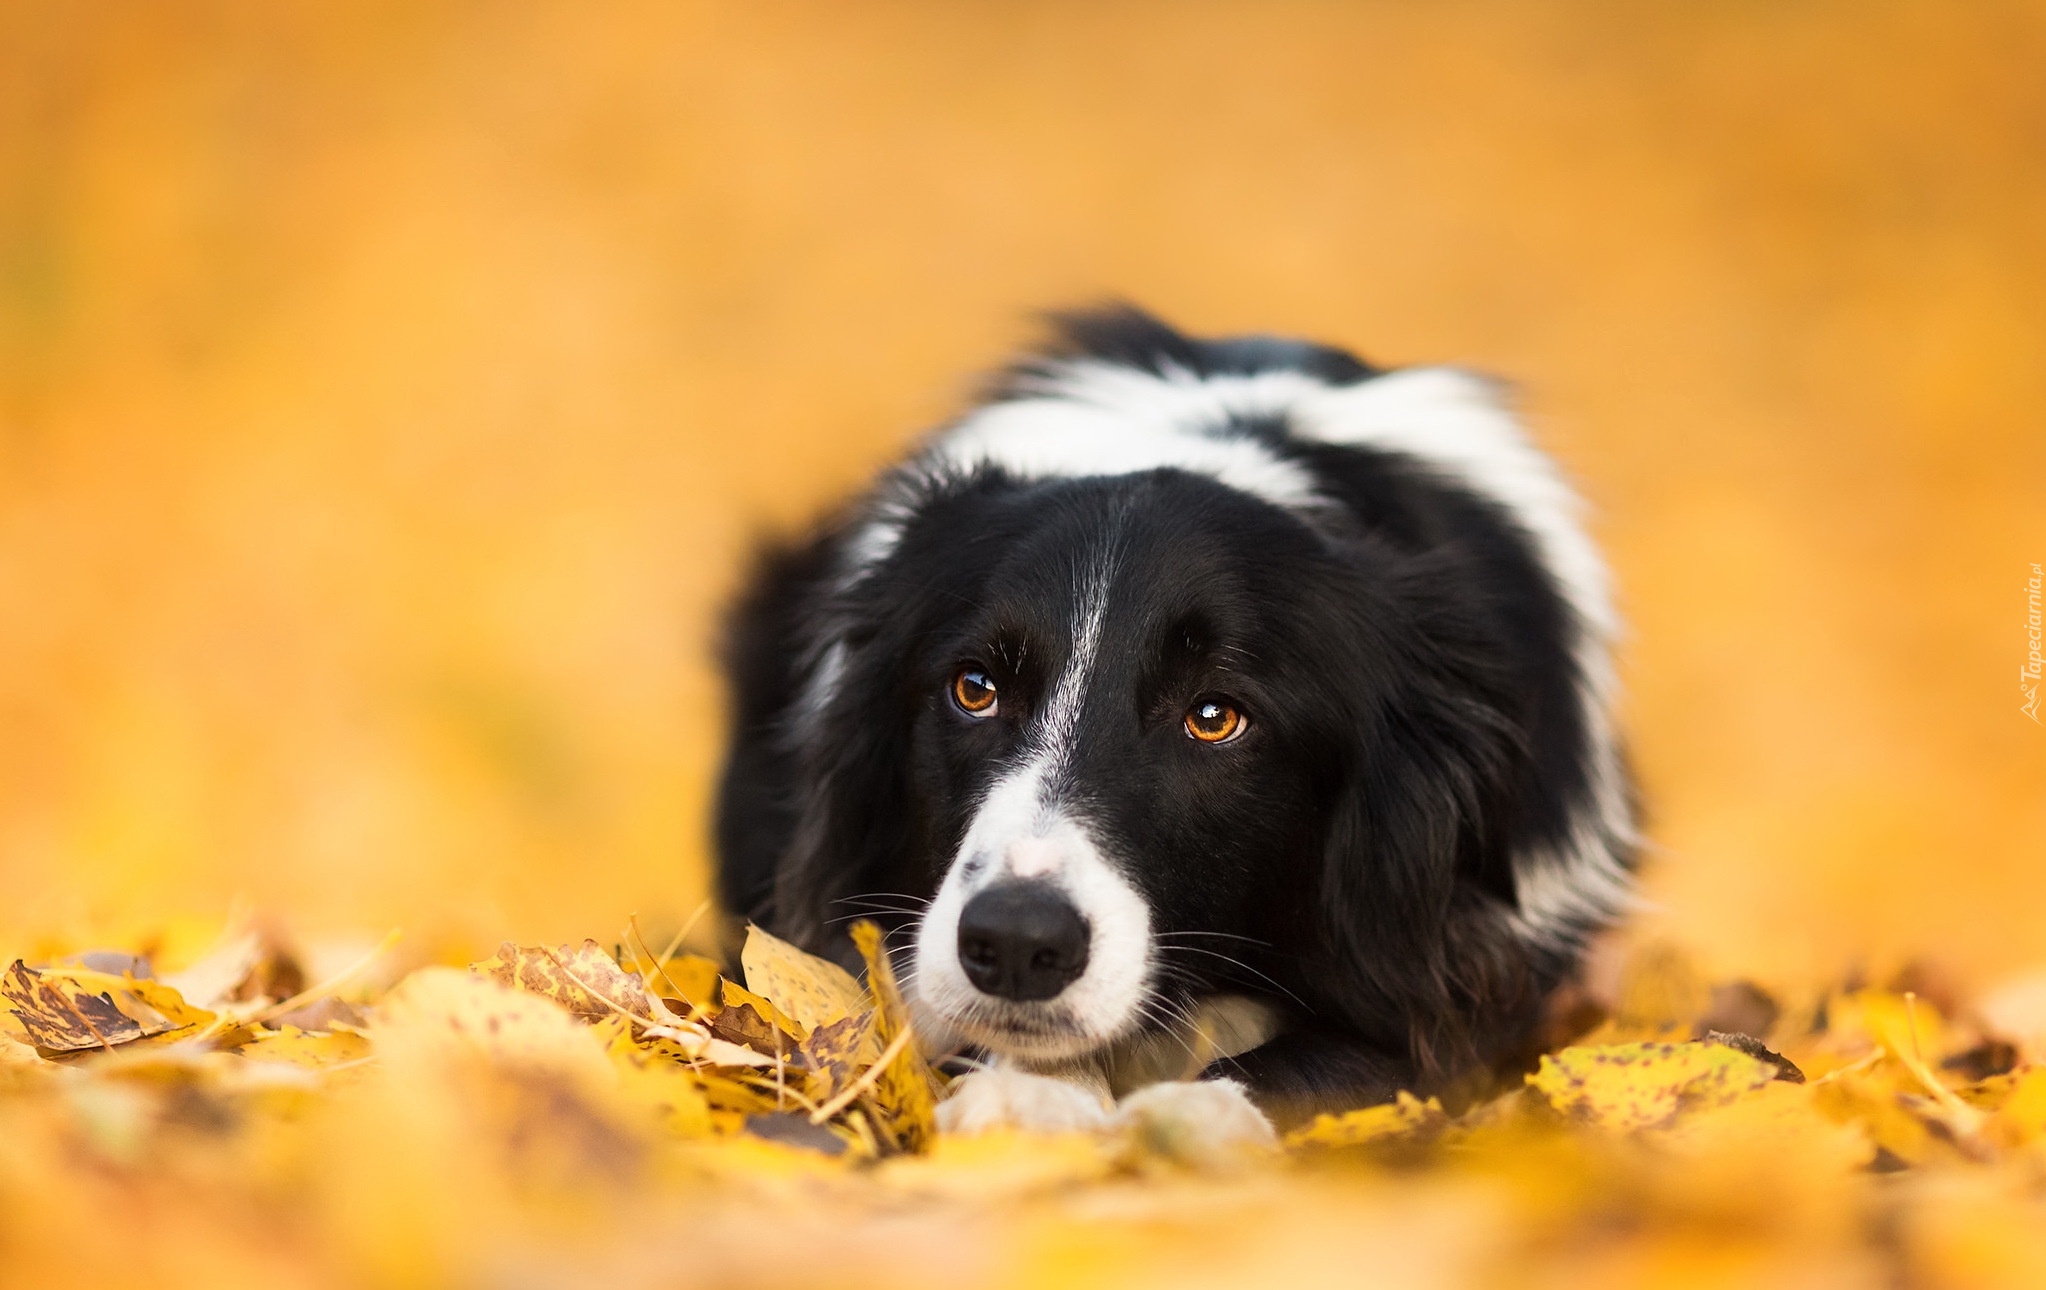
(389, 396)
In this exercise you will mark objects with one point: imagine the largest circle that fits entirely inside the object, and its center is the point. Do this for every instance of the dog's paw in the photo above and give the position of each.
(1208, 1123)
(1005, 1098)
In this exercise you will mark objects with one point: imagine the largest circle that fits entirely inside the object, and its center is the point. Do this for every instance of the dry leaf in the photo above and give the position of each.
(838, 1053)
(689, 979)
(583, 979)
(214, 978)
(523, 1102)
(906, 1092)
(66, 1010)
(440, 1013)
(671, 1091)
(1406, 1118)
(764, 1010)
(808, 989)
(1624, 1087)
(741, 1024)
(310, 1050)
(18, 1056)
(2021, 1118)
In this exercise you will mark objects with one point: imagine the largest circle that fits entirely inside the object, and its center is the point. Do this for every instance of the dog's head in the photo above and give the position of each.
(1153, 700)
(1127, 737)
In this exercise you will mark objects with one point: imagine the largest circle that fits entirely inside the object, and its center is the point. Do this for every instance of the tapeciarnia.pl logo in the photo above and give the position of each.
(2028, 675)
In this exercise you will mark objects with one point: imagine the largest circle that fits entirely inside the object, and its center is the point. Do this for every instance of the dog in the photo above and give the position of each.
(1223, 725)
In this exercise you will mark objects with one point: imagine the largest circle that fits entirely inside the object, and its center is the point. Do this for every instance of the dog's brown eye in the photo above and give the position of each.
(974, 691)
(1214, 722)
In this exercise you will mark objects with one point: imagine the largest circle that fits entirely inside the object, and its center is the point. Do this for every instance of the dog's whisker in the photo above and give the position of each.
(1236, 963)
(1232, 936)
(919, 901)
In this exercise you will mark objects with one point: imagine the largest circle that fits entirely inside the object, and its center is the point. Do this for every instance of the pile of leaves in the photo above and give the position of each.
(580, 1115)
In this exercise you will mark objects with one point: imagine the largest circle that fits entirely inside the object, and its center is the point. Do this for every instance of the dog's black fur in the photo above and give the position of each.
(1412, 672)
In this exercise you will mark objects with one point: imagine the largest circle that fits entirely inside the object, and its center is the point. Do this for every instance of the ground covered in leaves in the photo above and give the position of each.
(256, 1113)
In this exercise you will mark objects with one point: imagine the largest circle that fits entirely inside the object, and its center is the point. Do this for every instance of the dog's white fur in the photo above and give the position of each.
(1020, 832)
(1201, 1122)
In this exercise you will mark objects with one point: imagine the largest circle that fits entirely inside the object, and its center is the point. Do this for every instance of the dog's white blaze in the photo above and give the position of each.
(1035, 857)
(1020, 831)
(1087, 417)
(1058, 438)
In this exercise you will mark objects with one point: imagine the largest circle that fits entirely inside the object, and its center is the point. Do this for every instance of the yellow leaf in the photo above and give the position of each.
(584, 979)
(1406, 1117)
(837, 1053)
(438, 1013)
(1910, 1029)
(18, 1056)
(1623, 1087)
(906, 1092)
(311, 1050)
(811, 990)
(728, 1093)
(1871, 1100)
(2022, 1117)
(670, 1090)
(212, 980)
(690, 978)
(67, 1010)
(159, 997)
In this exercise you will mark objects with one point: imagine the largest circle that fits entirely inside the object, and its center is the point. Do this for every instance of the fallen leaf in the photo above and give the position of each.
(310, 1050)
(1761, 1052)
(584, 979)
(2021, 1119)
(669, 1090)
(689, 979)
(19, 1056)
(67, 1010)
(906, 1092)
(742, 1024)
(1625, 1087)
(1404, 1119)
(809, 989)
(838, 1052)
(439, 1013)
(214, 978)
(738, 996)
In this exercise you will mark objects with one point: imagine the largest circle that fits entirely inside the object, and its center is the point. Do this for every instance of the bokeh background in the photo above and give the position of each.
(389, 395)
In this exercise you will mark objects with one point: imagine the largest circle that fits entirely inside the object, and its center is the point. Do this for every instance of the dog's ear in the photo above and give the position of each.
(1416, 881)
(852, 819)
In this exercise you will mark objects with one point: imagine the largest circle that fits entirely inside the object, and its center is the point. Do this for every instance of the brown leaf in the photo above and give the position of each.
(742, 1024)
(1755, 1048)
(68, 1010)
(836, 1054)
(738, 996)
(584, 979)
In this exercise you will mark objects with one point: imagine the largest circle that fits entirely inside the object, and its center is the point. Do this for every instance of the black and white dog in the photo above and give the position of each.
(1218, 697)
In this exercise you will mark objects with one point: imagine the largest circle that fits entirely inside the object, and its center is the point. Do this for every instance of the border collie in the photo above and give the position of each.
(1228, 710)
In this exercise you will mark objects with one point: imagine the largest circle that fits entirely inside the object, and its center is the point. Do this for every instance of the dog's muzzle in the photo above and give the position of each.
(1024, 941)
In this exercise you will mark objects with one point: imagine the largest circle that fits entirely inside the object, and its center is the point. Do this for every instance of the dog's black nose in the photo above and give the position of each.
(1022, 940)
